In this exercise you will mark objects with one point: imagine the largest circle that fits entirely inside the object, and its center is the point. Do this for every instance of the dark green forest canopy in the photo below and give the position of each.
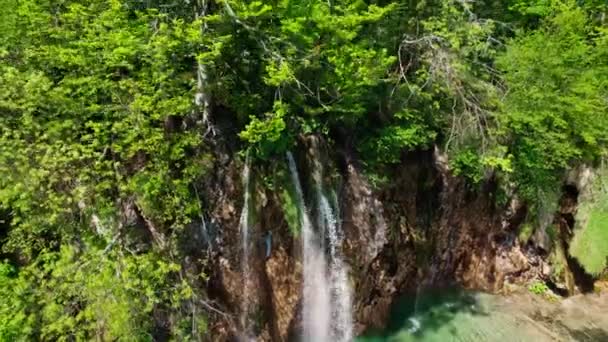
(114, 104)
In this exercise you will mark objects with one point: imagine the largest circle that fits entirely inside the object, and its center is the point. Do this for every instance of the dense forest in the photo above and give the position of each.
(114, 113)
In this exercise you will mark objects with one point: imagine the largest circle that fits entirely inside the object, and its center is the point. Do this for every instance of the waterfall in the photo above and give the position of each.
(316, 303)
(339, 286)
(327, 299)
(340, 292)
(244, 231)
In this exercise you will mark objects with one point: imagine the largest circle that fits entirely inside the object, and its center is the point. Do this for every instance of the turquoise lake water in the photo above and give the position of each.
(469, 316)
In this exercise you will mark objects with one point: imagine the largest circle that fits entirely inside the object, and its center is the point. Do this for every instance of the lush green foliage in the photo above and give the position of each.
(555, 111)
(84, 295)
(93, 106)
(96, 105)
(109, 110)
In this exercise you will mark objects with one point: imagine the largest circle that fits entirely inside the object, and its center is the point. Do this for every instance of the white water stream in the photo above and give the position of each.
(326, 309)
(244, 231)
(340, 291)
(316, 308)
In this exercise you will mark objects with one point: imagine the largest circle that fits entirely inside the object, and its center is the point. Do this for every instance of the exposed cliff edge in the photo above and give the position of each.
(424, 228)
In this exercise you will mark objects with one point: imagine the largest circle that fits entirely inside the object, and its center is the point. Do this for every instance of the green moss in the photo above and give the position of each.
(525, 232)
(558, 263)
(590, 242)
(288, 199)
(552, 232)
(538, 288)
(290, 210)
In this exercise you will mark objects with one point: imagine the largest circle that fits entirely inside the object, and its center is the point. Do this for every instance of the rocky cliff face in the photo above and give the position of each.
(424, 228)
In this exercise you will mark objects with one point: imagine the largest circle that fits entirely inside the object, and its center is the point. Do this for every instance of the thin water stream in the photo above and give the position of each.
(244, 232)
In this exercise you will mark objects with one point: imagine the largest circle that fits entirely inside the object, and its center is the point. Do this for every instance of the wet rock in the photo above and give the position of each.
(231, 282)
(580, 177)
(425, 227)
(285, 278)
(542, 239)
(364, 222)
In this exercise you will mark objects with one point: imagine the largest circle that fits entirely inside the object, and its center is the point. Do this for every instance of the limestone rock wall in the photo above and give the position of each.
(423, 228)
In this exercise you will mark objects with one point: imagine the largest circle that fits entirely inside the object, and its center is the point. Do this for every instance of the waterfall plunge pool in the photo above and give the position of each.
(456, 315)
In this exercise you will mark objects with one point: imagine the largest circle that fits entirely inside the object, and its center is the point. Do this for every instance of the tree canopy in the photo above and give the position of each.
(112, 106)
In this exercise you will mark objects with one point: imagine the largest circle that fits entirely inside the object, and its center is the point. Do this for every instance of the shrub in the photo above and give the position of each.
(538, 288)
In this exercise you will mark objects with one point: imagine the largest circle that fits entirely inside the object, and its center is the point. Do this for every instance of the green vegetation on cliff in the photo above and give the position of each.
(591, 235)
(110, 110)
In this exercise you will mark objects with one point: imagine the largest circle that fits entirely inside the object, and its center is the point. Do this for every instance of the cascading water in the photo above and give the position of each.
(244, 231)
(327, 308)
(316, 303)
(340, 292)
(340, 289)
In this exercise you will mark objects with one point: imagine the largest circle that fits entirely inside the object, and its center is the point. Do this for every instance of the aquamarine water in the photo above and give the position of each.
(452, 315)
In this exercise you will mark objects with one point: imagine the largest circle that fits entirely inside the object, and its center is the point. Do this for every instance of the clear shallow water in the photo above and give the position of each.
(468, 316)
